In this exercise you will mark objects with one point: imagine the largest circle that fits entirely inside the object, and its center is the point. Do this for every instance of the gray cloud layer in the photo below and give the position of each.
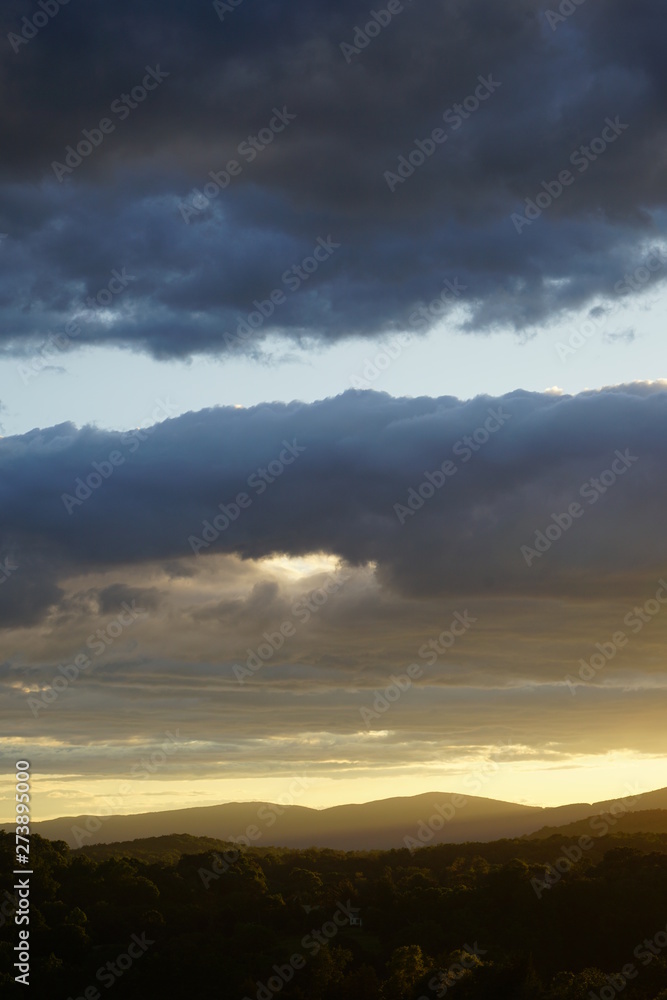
(349, 478)
(346, 494)
(323, 175)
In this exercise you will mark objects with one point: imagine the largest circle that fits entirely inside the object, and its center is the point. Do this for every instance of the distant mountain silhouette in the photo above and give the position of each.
(643, 821)
(431, 818)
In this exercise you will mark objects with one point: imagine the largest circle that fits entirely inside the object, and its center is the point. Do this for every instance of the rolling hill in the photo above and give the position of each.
(642, 821)
(431, 818)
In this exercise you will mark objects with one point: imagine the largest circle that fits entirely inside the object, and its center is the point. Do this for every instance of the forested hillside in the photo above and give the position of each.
(520, 919)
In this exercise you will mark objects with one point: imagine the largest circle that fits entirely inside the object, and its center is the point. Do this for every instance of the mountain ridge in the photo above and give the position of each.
(427, 818)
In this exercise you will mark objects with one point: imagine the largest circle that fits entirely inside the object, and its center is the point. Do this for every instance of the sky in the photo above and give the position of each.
(333, 392)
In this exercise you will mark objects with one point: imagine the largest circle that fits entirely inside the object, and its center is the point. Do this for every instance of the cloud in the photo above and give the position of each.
(441, 496)
(323, 175)
(331, 512)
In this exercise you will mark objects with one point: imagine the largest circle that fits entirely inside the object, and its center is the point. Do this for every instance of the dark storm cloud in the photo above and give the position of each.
(323, 174)
(348, 476)
(27, 587)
